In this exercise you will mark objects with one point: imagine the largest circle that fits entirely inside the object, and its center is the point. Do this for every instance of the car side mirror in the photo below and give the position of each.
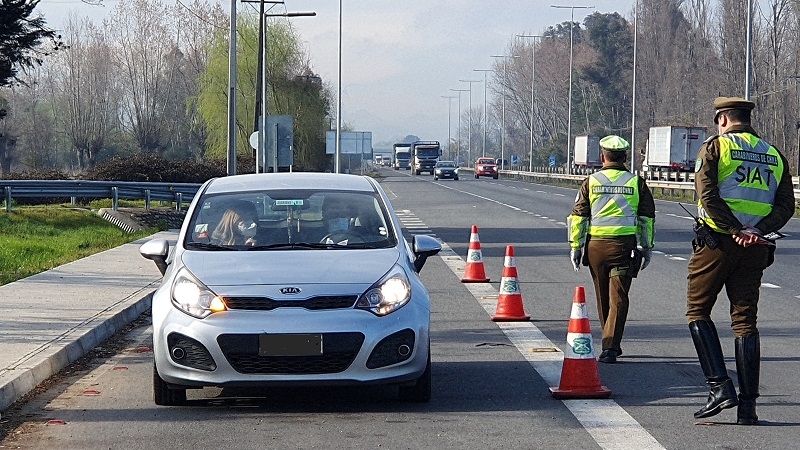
(156, 250)
(423, 246)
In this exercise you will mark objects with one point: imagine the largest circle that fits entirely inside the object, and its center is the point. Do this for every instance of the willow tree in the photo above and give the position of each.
(293, 90)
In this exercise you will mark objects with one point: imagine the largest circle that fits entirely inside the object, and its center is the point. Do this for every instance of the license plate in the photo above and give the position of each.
(289, 344)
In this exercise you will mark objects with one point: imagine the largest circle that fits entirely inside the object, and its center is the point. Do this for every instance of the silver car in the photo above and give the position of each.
(290, 278)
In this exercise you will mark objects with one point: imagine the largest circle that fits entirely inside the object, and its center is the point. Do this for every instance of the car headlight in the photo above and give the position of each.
(193, 297)
(387, 295)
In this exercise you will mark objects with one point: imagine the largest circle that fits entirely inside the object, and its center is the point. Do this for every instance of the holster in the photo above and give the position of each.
(636, 263)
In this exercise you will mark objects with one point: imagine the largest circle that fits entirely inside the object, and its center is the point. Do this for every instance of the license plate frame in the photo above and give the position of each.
(295, 344)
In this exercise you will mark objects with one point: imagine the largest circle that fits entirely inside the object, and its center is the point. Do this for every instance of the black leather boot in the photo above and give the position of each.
(748, 359)
(709, 351)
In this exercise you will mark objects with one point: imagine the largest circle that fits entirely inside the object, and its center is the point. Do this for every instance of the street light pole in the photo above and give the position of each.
(503, 120)
(749, 45)
(485, 111)
(569, 100)
(458, 134)
(533, 91)
(449, 125)
(633, 97)
(232, 93)
(469, 118)
(338, 97)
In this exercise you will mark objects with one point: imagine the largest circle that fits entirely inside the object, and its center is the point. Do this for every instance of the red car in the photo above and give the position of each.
(486, 167)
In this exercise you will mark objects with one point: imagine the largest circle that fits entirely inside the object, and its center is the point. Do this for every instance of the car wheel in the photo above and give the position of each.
(165, 394)
(420, 391)
(495, 177)
(477, 176)
(435, 178)
(455, 178)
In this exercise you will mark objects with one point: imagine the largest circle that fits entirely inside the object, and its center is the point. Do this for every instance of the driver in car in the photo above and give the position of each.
(337, 215)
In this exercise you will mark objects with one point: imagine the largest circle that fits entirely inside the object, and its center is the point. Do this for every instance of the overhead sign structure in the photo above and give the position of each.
(352, 143)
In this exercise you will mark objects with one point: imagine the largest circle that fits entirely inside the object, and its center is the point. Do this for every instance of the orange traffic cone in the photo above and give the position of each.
(579, 375)
(509, 302)
(474, 272)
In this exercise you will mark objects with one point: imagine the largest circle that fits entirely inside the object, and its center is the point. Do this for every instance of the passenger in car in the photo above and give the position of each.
(238, 225)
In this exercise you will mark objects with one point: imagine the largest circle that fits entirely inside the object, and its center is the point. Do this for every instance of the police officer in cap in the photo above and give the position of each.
(744, 191)
(612, 209)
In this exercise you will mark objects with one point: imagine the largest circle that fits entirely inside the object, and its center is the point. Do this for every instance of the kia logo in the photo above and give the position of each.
(290, 290)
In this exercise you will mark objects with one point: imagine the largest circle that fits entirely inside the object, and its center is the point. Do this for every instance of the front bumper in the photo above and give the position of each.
(357, 347)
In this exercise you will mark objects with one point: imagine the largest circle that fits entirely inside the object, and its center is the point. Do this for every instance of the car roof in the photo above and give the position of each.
(291, 180)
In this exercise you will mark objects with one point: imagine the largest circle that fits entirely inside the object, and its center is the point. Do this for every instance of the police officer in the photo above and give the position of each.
(744, 191)
(612, 209)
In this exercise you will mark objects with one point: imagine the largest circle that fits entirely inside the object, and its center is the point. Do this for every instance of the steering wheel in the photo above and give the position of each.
(345, 235)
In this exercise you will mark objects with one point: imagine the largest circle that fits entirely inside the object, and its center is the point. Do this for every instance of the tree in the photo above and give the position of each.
(20, 38)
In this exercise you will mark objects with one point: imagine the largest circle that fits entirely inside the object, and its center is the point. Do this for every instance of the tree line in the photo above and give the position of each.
(153, 78)
(687, 54)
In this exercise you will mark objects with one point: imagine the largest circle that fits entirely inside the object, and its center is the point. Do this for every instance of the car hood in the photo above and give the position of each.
(244, 268)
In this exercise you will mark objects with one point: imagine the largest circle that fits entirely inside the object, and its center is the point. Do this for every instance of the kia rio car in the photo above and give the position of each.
(290, 278)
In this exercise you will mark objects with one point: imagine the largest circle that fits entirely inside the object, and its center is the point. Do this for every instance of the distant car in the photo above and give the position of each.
(290, 278)
(486, 167)
(445, 169)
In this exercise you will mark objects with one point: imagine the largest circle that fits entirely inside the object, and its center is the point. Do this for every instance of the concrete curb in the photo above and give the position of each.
(54, 356)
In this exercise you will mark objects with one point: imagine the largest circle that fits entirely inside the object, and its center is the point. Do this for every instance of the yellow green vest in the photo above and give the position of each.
(748, 175)
(614, 197)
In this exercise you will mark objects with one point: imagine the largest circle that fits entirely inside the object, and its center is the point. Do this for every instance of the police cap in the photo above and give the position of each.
(614, 143)
(722, 104)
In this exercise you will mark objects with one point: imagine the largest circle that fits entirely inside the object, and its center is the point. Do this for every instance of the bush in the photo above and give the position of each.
(153, 168)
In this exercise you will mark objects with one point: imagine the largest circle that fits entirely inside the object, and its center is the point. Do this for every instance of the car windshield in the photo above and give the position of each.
(445, 164)
(290, 220)
(485, 161)
(428, 152)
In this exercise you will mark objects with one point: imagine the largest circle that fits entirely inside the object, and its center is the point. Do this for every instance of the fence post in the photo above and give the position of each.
(179, 195)
(8, 198)
(114, 198)
(147, 199)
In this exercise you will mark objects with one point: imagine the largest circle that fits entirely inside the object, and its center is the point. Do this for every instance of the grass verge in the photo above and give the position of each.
(34, 239)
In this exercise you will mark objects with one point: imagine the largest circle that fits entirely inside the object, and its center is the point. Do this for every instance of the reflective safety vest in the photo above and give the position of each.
(614, 197)
(748, 175)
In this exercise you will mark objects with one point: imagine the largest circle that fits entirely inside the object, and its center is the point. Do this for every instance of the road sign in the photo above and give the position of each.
(552, 160)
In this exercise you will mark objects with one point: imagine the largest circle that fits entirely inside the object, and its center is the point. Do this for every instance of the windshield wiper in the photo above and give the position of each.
(206, 246)
(292, 245)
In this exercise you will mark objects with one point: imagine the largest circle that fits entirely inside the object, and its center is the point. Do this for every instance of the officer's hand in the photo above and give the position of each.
(646, 254)
(575, 256)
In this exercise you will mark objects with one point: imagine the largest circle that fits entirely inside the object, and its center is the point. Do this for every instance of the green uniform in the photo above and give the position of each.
(613, 207)
(740, 181)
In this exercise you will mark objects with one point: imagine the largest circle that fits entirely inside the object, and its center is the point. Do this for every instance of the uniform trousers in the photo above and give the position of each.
(609, 262)
(738, 270)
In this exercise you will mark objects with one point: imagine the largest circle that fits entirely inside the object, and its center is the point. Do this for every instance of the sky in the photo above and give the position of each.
(400, 58)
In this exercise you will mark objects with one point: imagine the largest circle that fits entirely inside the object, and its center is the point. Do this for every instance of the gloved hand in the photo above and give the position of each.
(575, 257)
(646, 254)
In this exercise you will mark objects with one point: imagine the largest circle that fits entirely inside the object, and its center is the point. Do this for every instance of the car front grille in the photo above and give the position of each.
(339, 351)
(313, 303)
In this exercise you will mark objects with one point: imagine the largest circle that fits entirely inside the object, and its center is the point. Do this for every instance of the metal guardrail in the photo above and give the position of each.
(115, 190)
(684, 186)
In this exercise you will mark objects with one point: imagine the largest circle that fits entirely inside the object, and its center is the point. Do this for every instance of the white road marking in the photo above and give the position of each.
(770, 285)
(608, 423)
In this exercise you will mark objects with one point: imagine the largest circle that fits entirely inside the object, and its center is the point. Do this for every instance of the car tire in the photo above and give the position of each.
(455, 178)
(420, 391)
(435, 178)
(165, 394)
(495, 177)
(477, 176)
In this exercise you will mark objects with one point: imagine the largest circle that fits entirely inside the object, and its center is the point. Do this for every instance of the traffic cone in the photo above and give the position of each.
(474, 272)
(579, 375)
(509, 302)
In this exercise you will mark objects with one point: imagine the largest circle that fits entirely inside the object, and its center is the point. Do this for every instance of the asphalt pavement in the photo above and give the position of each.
(53, 318)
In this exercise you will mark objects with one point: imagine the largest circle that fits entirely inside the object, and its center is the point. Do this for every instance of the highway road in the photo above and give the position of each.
(490, 380)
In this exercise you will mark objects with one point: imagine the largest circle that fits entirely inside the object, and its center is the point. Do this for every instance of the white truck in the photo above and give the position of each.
(673, 147)
(587, 151)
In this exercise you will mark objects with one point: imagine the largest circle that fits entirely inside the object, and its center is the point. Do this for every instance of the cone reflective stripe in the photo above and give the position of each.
(579, 375)
(474, 272)
(509, 302)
